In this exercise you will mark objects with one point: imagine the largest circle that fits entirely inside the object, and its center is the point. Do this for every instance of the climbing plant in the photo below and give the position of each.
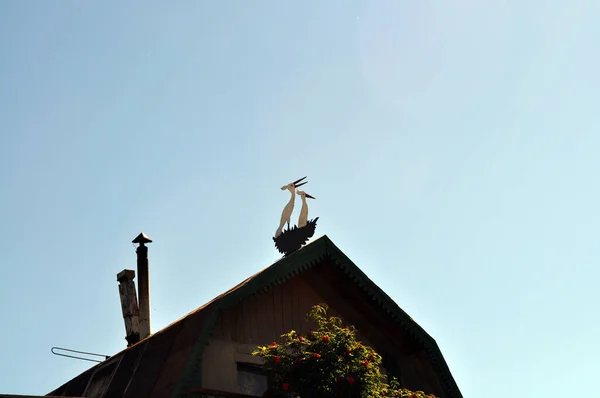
(328, 362)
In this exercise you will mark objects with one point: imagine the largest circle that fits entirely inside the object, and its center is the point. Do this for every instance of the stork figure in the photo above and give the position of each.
(303, 219)
(289, 208)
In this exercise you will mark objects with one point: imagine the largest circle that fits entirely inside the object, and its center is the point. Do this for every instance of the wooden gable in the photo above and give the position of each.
(264, 317)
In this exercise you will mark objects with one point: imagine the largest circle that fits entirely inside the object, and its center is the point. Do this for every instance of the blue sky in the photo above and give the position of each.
(452, 148)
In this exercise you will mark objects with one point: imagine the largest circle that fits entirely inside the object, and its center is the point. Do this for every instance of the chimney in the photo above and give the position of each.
(129, 306)
(143, 284)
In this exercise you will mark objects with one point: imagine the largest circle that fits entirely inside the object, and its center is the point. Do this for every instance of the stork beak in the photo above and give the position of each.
(308, 196)
(299, 185)
(297, 181)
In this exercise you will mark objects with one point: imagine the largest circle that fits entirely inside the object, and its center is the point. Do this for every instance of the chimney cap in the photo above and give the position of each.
(126, 275)
(141, 239)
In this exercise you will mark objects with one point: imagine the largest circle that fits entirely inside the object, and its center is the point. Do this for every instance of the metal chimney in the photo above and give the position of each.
(143, 284)
(129, 305)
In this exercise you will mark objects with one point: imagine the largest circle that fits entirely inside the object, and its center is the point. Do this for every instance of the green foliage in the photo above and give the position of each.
(328, 363)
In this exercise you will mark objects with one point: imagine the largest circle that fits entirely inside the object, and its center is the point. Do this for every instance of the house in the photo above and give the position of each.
(210, 348)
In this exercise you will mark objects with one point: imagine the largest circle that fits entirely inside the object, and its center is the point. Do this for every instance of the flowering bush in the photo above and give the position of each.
(327, 363)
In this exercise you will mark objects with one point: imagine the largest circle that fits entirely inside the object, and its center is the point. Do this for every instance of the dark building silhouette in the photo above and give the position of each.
(210, 348)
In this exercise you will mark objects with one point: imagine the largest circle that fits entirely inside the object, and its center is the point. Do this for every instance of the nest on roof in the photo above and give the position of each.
(294, 238)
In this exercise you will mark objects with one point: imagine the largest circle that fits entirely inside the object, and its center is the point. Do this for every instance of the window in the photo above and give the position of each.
(251, 380)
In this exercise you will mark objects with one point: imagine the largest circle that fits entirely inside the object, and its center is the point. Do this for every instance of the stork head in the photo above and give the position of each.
(304, 194)
(293, 185)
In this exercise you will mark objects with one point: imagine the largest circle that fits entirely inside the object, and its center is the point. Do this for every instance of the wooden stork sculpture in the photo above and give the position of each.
(303, 219)
(292, 239)
(289, 208)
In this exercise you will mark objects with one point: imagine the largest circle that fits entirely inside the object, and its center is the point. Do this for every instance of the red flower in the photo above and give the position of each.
(366, 363)
(351, 380)
(325, 338)
(300, 338)
(273, 344)
(413, 395)
(371, 356)
(317, 355)
(277, 358)
(285, 386)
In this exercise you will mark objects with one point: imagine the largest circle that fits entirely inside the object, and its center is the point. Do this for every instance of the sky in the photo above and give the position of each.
(452, 147)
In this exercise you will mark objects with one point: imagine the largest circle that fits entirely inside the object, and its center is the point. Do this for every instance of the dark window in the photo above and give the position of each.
(251, 380)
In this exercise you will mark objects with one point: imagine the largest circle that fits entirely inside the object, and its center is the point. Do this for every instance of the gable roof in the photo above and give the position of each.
(169, 362)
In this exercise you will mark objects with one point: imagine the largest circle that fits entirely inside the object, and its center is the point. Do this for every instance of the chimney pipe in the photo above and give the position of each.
(129, 306)
(143, 284)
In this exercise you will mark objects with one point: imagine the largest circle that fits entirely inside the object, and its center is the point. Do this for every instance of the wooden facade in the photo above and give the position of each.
(263, 318)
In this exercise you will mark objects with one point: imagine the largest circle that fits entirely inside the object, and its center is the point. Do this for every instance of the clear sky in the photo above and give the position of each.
(452, 147)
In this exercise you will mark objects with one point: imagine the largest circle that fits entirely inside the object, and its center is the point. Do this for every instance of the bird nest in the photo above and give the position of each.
(294, 238)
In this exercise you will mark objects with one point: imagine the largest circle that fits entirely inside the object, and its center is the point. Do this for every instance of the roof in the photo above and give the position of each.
(30, 396)
(169, 362)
